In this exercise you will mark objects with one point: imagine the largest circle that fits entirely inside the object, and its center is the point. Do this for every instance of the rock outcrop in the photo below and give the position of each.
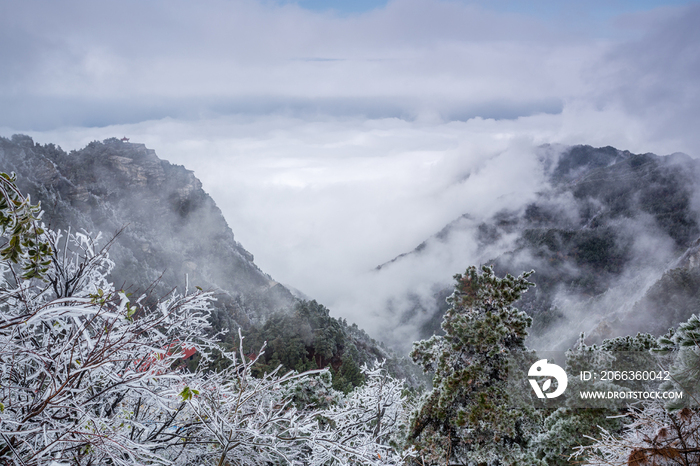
(172, 230)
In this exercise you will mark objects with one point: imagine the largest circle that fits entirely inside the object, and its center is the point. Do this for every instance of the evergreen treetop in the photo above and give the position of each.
(470, 416)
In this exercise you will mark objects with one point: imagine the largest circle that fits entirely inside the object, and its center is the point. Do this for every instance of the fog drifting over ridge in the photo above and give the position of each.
(332, 144)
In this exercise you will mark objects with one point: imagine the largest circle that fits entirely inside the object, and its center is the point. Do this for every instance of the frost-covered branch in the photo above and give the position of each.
(90, 376)
(72, 364)
(653, 436)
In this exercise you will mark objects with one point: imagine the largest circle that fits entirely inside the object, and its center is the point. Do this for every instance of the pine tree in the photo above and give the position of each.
(657, 432)
(472, 416)
(569, 428)
(683, 346)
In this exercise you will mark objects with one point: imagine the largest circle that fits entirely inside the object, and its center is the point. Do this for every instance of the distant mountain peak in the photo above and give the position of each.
(608, 225)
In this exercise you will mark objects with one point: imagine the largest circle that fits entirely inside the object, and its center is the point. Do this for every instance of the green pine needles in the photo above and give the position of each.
(471, 416)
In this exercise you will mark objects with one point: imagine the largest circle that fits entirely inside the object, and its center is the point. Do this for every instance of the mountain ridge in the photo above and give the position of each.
(608, 223)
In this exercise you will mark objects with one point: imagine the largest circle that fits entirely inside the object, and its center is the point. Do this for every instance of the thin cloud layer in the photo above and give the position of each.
(94, 64)
(655, 78)
(76, 62)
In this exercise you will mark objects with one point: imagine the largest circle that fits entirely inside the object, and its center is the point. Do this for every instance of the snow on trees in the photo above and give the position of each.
(658, 433)
(89, 375)
(683, 346)
(77, 366)
(371, 419)
(470, 417)
(652, 436)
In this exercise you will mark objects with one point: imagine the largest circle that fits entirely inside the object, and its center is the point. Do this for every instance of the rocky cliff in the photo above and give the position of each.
(170, 228)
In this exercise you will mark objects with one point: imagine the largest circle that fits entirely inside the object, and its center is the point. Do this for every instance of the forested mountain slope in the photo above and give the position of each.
(604, 236)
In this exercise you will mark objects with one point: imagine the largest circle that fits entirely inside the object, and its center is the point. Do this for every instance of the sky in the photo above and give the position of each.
(335, 135)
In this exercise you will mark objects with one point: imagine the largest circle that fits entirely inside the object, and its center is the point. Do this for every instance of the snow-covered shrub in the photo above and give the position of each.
(90, 375)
